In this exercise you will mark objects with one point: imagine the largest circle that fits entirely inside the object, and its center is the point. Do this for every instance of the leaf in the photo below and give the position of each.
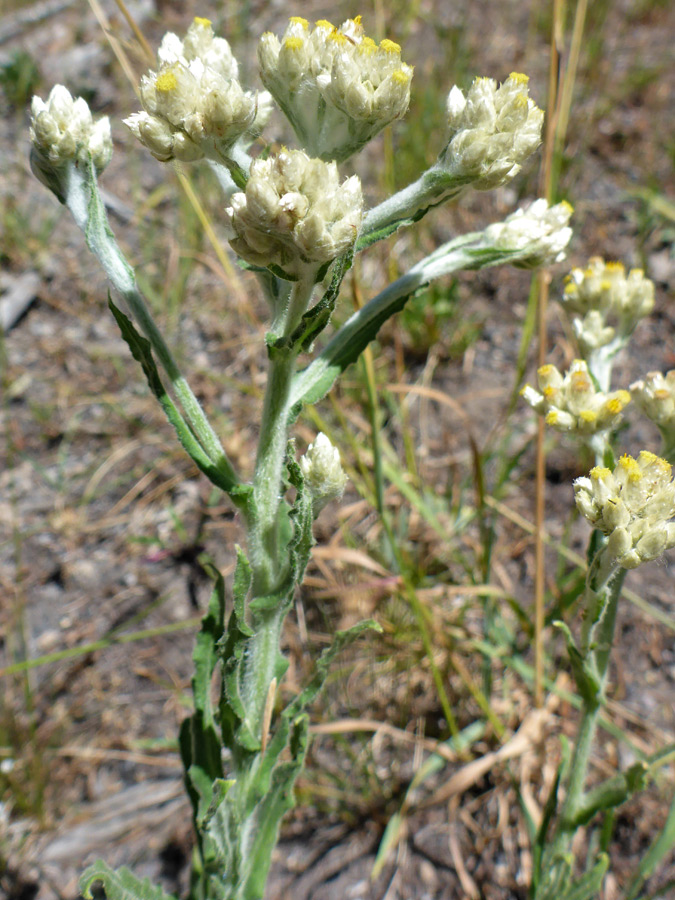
(120, 884)
(588, 886)
(613, 792)
(658, 849)
(141, 350)
(315, 319)
(199, 741)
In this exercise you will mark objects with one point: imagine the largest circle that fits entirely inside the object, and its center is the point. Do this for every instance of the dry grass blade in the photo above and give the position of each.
(530, 734)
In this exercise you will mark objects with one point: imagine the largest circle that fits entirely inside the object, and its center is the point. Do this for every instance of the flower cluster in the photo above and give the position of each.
(295, 213)
(193, 105)
(632, 505)
(492, 130)
(572, 403)
(606, 304)
(322, 470)
(541, 229)
(337, 87)
(62, 129)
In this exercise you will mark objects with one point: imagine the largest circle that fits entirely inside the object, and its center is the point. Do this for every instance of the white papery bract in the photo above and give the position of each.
(605, 304)
(322, 471)
(632, 506)
(63, 129)
(492, 130)
(193, 105)
(295, 213)
(572, 403)
(540, 228)
(337, 87)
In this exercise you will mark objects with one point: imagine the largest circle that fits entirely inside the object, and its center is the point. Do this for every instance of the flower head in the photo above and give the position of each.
(606, 304)
(632, 505)
(540, 229)
(572, 403)
(492, 130)
(295, 213)
(322, 470)
(62, 130)
(337, 87)
(193, 105)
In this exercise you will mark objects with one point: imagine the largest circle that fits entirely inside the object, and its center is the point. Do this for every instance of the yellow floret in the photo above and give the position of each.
(588, 416)
(605, 285)
(549, 392)
(661, 394)
(338, 37)
(357, 20)
(367, 45)
(400, 76)
(545, 370)
(651, 459)
(615, 267)
(598, 473)
(521, 100)
(166, 82)
(200, 20)
(324, 23)
(551, 417)
(294, 43)
(519, 78)
(567, 207)
(631, 468)
(298, 20)
(614, 406)
(390, 46)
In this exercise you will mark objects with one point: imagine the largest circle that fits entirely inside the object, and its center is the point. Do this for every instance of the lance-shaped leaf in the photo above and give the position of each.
(470, 251)
(120, 884)
(141, 350)
(199, 740)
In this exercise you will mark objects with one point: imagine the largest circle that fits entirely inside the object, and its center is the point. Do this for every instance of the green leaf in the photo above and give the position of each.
(542, 831)
(613, 792)
(200, 743)
(141, 351)
(317, 318)
(120, 884)
(588, 886)
(658, 849)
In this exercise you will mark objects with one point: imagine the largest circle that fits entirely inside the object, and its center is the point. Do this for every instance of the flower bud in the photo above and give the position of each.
(295, 214)
(655, 396)
(540, 229)
(337, 87)
(322, 472)
(491, 131)
(572, 403)
(632, 505)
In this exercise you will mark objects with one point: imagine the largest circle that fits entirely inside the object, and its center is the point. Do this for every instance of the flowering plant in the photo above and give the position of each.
(296, 223)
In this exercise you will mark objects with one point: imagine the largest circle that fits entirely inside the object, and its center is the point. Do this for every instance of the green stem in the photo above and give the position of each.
(267, 558)
(597, 655)
(433, 187)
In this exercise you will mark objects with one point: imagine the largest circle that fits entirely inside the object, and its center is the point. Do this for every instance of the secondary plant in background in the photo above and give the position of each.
(296, 222)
